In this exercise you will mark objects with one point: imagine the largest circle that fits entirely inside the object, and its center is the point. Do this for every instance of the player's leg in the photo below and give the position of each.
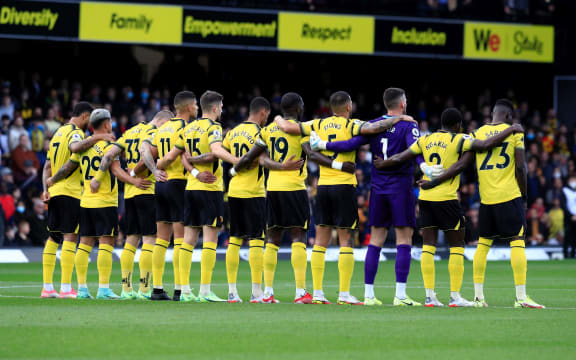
(67, 265)
(511, 223)
(210, 242)
(346, 266)
(402, 265)
(146, 214)
(378, 235)
(105, 250)
(455, 238)
(403, 211)
(145, 266)
(429, 237)
(487, 231)
(48, 265)
(81, 261)
(254, 228)
(185, 262)
(127, 265)
(178, 228)
(233, 250)
(299, 261)
(270, 262)
(163, 235)
(318, 262)
(380, 221)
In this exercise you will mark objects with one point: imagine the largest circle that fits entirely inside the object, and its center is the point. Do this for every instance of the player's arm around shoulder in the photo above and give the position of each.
(493, 141)
(369, 128)
(321, 159)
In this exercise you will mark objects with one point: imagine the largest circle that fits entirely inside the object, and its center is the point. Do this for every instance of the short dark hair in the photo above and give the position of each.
(183, 97)
(81, 108)
(290, 102)
(259, 103)
(506, 104)
(209, 99)
(451, 117)
(392, 97)
(339, 99)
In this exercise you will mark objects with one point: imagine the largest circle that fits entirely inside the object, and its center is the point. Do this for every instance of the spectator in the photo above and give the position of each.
(16, 131)
(536, 231)
(569, 207)
(38, 223)
(25, 163)
(556, 216)
(7, 107)
(22, 235)
(52, 124)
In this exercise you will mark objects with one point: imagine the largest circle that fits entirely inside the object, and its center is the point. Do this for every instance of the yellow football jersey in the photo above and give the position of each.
(497, 167)
(164, 140)
(440, 148)
(334, 128)
(58, 154)
(130, 142)
(107, 195)
(238, 141)
(281, 147)
(196, 137)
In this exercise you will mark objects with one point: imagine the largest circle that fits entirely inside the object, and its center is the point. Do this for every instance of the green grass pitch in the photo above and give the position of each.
(32, 328)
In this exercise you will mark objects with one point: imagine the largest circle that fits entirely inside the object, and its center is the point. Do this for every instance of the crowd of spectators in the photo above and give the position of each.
(30, 115)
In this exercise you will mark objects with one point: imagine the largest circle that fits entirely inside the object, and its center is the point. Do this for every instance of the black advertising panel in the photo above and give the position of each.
(428, 38)
(39, 19)
(230, 28)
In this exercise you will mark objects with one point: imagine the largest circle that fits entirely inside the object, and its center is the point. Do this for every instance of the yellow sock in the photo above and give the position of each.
(104, 264)
(270, 262)
(49, 261)
(317, 264)
(176, 263)
(67, 261)
(518, 261)
(145, 265)
(456, 268)
(185, 263)
(479, 264)
(427, 266)
(299, 261)
(81, 264)
(207, 262)
(127, 266)
(256, 260)
(346, 267)
(233, 259)
(159, 261)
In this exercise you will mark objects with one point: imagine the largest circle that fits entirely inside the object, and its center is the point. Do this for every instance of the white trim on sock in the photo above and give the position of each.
(401, 290)
(204, 289)
(521, 292)
(319, 293)
(65, 288)
(269, 291)
(49, 287)
(430, 293)
(232, 288)
(103, 286)
(479, 290)
(369, 291)
(300, 293)
(185, 289)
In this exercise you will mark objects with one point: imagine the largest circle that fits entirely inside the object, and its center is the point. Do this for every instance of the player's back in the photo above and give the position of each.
(165, 139)
(335, 128)
(440, 148)
(283, 146)
(196, 138)
(247, 183)
(59, 153)
(388, 143)
(107, 195)
(497, 167)
(131, 141)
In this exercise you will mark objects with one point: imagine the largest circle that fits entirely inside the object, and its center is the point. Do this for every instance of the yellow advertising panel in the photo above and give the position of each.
(132, 23)
(326, 33)
(509, 42)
